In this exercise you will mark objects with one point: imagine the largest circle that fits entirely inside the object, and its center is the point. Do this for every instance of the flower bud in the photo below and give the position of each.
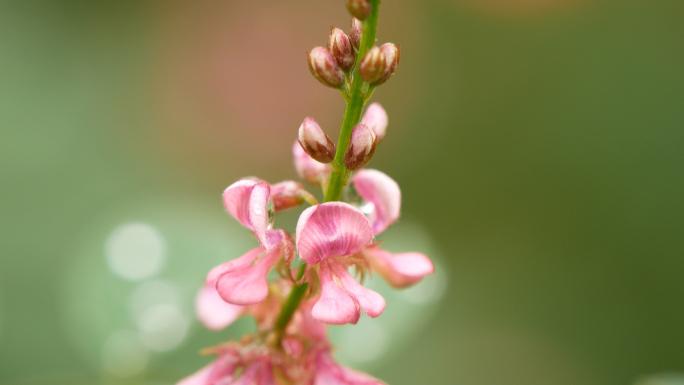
(355, 32)
(372, 66)
(360, 9)
(308, 168)
(361, 147)
(286, 195)
(341, 48)
(324, 67)
(315, 142)
(376, 119)
(392, 54)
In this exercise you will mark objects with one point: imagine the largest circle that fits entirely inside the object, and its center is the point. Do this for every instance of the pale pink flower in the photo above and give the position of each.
(325, 234)
(247, 201)
(379, 190)
(243, 281)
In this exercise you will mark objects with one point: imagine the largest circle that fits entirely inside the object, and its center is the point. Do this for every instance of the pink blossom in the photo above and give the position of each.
(400, 270)
(243, 280)
(247, 201)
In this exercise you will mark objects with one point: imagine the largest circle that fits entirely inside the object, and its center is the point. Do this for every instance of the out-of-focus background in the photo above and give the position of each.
(538, 145)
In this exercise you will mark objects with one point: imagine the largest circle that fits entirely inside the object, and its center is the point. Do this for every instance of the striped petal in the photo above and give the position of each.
(331, 229)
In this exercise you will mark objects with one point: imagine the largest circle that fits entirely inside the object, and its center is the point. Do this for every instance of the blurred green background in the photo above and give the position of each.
(538, 145)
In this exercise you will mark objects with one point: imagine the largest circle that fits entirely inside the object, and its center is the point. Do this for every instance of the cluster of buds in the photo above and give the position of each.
(334, 66)
(314, 287)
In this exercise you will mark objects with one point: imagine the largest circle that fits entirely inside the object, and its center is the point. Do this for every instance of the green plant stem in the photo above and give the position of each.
(340, 174)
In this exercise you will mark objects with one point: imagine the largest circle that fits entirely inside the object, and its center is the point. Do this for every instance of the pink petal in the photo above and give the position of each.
(235, 264)
(376, 119)
(328, 372)
(247, 201)
(371, 302)
(399, 270)
(383, 192)
(212, 311)
(334, 306)
(307, 167)
(281, 238)
(258, 213)
(331, 229)
(247, 286)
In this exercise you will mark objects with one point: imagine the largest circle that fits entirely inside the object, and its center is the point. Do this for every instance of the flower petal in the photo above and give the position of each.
(247, 201)
(331, 229)
(235, 264)
(335, 306)
(329, 372)
(399, 270)
(371, 302)
(307, 167)
(383, 192)
(247, 286)
(376, 119)
(212, 311)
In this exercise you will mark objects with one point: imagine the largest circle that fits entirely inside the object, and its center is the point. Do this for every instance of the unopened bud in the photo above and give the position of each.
(286, 195)
(376, 119)
(372, 66)
(341, 48)
(324, 67)
(361, 147)
(315, 142)
(308, 168)
(360, 9)
(355, 32)
(392, 54)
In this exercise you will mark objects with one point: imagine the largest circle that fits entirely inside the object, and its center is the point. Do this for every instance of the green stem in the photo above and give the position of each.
(340, 174)
(291, 304)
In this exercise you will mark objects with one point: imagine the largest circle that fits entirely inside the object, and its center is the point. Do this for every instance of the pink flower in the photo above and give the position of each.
(242, 281)
(379, 190)
(325, 234)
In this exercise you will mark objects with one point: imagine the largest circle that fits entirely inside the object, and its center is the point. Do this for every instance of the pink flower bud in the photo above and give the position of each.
(372, 66)
(376, 119)
(361, 147)
(392, 54)
(355, 32)
(360, 9)
(341, 48)
(315, 142)
(286, 195)
(324, 67)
